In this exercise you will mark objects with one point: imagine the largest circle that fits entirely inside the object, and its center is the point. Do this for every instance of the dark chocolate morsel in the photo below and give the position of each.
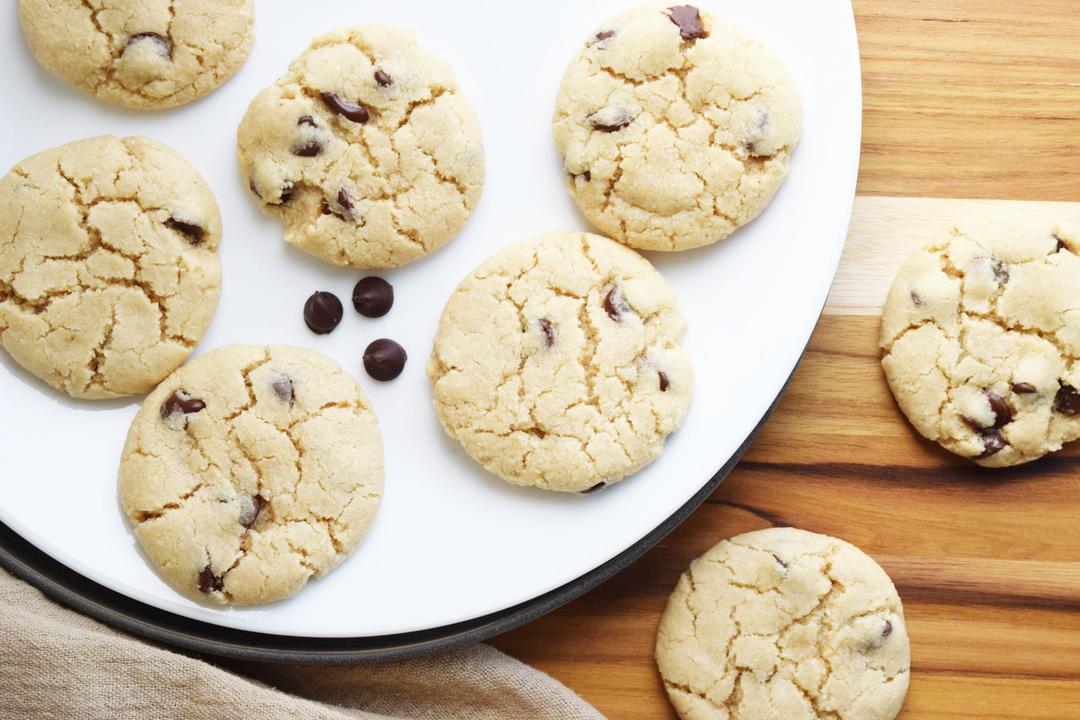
(601, 37)
(1060, 243)
(307, 148)
(181, 403)
(344, 199)
(163, 45)
(1003, 414)
(322, 312)
(993, 443)
(209, 582)
(664, 382)
(384, 359)
(250, 515)
(916, 298)
(615, 304)
(887, 630)
(306, 120)
(549, 331)
(595, 488)
(1067, 400)
(373, 297)
(1023, 388)
(191, 231)
(351, 111)
(284, 388)
(617, 122)
(1001, 272)
(688, 19)
(286, 192)
(383, 79)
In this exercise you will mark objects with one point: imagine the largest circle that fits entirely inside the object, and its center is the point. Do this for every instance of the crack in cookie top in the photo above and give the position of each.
(109, 273)
(365, 150)
(784, 623)
(675, 127)
(557, 363)
(251, 470)
(143, 54)
(980, 338)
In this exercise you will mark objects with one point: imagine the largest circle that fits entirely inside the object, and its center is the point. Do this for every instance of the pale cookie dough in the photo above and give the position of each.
(251, 470)
(109, 273)
(557, 363)
(784, 624)
(675, 127)
(142, 54)
(980, 338)
(365, 150)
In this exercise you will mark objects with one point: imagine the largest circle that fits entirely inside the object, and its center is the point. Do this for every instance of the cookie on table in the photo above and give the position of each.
(365, 149)
(784, 623)
(980, 337)
(142, 54)
(250, 471)
(109, 273)
(675, 127)
(558, 363)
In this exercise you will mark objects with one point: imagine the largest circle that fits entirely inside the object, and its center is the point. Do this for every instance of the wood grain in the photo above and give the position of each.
(965, 99)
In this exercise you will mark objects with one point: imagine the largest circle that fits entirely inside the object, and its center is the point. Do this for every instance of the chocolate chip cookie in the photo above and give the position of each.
(365, 150)
(558, 363)
(109, 273)
(784, 623)
(980, 339)
(250, 471)
(675, 127)
(143, 54)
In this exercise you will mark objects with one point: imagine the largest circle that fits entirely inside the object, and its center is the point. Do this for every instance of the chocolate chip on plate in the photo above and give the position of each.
(384, 359)
(284, 388)
(163, 46)
(688, 19)
(322, 312)
(373, 297)
(191, 231)
(549, 331)
(383, 79)
(349, 110)
(181, 403)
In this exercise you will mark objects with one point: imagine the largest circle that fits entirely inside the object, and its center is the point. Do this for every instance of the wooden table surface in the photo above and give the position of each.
(962, 99)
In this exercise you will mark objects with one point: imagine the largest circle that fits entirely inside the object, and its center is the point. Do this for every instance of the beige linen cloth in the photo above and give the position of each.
(55, 663)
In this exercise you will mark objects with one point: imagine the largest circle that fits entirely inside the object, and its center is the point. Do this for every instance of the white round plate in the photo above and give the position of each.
(450, 543)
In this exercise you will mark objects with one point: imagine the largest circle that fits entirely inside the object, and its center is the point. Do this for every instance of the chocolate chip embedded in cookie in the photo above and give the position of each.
(250, 471)
(558, 363)
(365, 149)
(980, 339)
(675, 127)
(784, 623)
(143, 55)
(109, 273)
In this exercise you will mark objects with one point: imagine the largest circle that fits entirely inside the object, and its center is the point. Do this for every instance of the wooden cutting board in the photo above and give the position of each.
(965, 99)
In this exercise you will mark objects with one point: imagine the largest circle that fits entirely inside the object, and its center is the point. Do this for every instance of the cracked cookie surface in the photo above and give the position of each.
(250, 471)
(675, 127)
(365, 150)
(980, 338)
(142, 54)
(109, 273)
(784, 623)
(557, 363)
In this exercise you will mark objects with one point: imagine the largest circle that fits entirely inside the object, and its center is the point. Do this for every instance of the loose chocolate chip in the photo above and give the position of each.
(1003, 414)
(322, 312)
(1067, 400)
(887, 630)
(601, 37)
(1001, 272)
(595, 488)
(688, 19)
(664, 382)
(916, 298)
(251, 513)
(610, 121)
(181, 403)
(993, 443)
(351, 111)
(373, 297)
(164, 46)
(1060, 243)
(286, 192)
(306, 120)
(307, 148)
(383, 79)
(549, 331)
(615, 304)
(284, 388)
(1024, 388)
(191, 231)
(209, 582)
(384, 359)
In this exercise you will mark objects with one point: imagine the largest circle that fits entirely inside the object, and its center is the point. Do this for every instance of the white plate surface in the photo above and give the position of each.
(450, 543)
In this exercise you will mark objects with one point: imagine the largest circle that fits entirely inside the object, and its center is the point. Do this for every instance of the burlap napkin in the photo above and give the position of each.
(55, 663)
